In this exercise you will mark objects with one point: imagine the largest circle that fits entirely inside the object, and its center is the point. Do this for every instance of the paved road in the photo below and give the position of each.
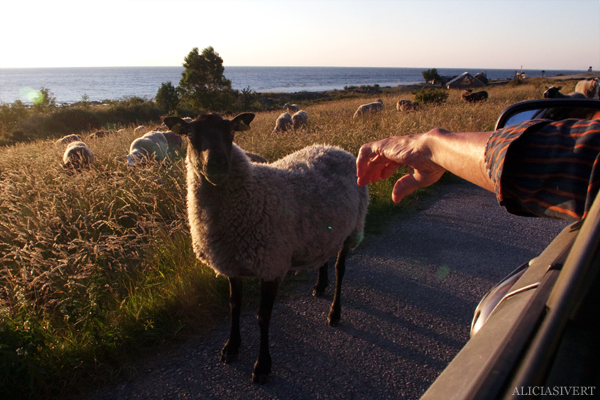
(407, 303)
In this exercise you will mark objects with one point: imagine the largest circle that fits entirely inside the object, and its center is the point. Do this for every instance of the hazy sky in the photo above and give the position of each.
(395, 33)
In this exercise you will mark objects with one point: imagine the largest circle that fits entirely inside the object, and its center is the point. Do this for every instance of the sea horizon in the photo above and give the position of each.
(71, 84)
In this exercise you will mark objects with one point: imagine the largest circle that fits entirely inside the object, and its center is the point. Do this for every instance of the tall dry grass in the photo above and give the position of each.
(95, 265)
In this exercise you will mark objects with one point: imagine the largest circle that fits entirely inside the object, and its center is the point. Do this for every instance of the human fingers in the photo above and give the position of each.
(403, 187)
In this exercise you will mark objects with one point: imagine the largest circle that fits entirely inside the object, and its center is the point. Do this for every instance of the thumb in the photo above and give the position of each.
(403, 187)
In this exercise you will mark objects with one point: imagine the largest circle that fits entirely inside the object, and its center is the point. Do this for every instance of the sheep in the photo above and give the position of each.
(470, 97)
(68, 139)
(407, 105)
(588, 87)
(151, 145)
(299, 119)
(140, 130)
(291, 107)
(553, 92)
(173, 141)
(98, 134)
(262, 220)
(284, 123)
(77, 156)
(370, 108)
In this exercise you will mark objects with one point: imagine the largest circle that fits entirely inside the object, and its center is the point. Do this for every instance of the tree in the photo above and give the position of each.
(431, 75)
(44, 101)
(202, 84)
(167, 97)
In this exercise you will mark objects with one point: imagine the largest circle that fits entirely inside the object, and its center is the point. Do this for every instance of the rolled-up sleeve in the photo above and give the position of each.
(546, 168)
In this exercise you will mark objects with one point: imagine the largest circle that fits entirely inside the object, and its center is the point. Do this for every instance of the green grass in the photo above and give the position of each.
(97, 267)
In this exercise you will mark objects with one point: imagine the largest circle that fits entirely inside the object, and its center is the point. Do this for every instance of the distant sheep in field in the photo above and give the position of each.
(553, 92)
(140, 130)
(263, 220)
(407, 105)
(470, 97)
(291, 107)
(98, 134)
(284, 123)
(77, 156)
(367, 109)
(589, 88)
(68, 139)
(299, 119)
(153, 145)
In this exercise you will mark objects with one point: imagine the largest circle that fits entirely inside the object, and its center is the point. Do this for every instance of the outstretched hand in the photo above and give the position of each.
(378, 160)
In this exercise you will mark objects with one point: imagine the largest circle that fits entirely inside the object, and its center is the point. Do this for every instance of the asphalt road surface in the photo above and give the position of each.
(407, 303)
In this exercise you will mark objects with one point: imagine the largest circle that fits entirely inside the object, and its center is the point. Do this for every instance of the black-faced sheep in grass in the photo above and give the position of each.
(367, 109)
(68, 139)
(553, 92)
(589, 88)
(284, 123)
(291, 107)
(470, 97)
(407, 105)
(262, 220)
(77, 156)
(299, 119)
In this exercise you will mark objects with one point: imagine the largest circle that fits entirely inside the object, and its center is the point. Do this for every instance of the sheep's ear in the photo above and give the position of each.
(242, 122)
(177, 125)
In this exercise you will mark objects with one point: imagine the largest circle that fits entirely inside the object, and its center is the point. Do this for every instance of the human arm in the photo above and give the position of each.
(427, 155)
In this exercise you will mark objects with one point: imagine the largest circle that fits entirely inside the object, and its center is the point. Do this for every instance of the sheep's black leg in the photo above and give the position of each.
(262, 368)
(231, 349)
(322, 281)
(335, 312)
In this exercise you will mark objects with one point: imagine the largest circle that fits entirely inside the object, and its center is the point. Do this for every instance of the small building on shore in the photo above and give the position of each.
(464, 80)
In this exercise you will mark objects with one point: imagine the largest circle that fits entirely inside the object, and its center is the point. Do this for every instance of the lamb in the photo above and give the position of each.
(68, 139)
(407, 105)
(284, 123)
(588, 87)
(262, 220)
(151, 145)
(299, 119)
(553, 92)
(291, 107)
(77, 156)
(370, 108)
(470, 97)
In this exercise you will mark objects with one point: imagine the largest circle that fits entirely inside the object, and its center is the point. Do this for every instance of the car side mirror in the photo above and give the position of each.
(554, 109)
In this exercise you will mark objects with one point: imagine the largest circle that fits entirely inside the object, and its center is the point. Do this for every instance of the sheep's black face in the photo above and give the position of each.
(211, 140)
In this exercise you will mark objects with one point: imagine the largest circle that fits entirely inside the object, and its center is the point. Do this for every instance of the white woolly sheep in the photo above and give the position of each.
(553, 92)
(262, 220)
(299, 119)
(291, 107)
(151, 145)
(284, 123)
(589, 88)
(68, 139)
(470, 97)
(407, 105)
(370, 108)
(77, 156)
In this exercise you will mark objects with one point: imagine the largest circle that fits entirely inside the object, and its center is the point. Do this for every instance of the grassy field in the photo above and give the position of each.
(96, 267)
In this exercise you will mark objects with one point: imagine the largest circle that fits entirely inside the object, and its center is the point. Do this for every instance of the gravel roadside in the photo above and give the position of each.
(407, 303)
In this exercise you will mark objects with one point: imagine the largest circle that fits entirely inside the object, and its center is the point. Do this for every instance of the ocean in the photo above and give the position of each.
(70, 85)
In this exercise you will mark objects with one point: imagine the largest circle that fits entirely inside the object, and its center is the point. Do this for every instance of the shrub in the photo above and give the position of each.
(437, 96)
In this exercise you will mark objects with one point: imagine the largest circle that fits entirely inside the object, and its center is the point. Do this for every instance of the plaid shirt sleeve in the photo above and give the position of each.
(546, 168)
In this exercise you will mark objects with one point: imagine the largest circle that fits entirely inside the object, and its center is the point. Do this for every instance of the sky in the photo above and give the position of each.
(507, 34)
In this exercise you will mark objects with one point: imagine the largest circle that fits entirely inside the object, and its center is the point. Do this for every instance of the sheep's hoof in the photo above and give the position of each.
(318, 291)
(262, 369)
(228, 354)
(334, 318)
